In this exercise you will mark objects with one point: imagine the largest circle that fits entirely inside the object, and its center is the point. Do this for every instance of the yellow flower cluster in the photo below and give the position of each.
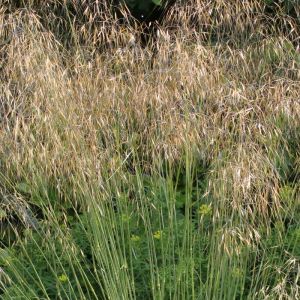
(135, 238)
(157, 234)
(205, 209)
(63, 278)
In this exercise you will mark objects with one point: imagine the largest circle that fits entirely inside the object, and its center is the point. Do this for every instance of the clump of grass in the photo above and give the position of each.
(160, 171)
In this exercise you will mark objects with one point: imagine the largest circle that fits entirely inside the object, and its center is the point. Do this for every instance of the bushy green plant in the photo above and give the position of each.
(148, 9)
(166, 228)
(54, 263)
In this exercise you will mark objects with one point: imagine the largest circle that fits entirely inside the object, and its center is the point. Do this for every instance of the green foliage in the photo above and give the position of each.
(168, 234)
(163, 227)
(146, 9)
(51, 264)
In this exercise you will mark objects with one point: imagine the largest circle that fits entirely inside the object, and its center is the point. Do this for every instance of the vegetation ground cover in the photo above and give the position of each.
(166, 170)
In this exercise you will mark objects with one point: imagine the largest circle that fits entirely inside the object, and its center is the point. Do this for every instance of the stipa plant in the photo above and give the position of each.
(66, 18)
(160, 238)
(153, 237)
(176, 180)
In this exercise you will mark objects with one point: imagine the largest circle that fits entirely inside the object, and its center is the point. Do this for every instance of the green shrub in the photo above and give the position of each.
(145, 9)
(54, 263)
